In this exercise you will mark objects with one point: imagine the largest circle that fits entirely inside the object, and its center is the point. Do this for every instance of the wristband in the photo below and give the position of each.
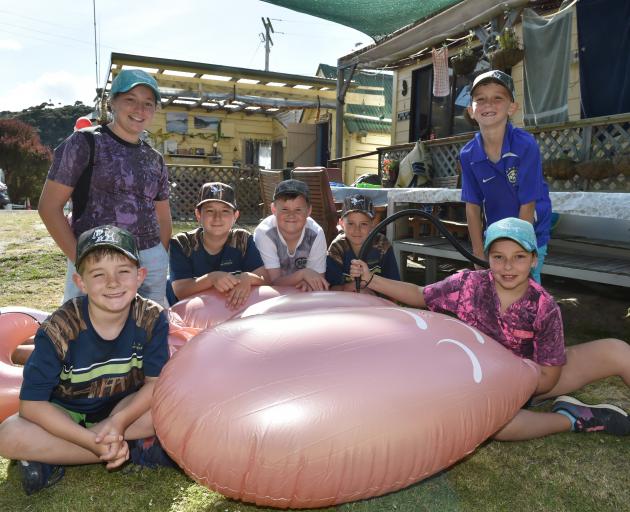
(367, 282)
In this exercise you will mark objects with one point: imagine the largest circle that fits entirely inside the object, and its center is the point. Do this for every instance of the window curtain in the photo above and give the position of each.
(604, 42)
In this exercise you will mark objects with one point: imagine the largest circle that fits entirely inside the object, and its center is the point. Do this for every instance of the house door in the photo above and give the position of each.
(277, 155)
(301, 144)
(421, 85)
(322, 151)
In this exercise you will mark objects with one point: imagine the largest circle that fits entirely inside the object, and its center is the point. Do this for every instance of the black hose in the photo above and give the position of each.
(418, 213)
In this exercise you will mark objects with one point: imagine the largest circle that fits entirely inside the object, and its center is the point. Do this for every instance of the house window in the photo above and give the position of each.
(433, 117)
(258, 152)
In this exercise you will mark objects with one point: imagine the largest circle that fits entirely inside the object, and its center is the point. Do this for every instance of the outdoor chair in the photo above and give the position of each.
(324, 210)
(268, 180)
(449, 213)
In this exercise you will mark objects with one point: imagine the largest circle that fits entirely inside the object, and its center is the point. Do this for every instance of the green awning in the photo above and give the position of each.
(376, 18)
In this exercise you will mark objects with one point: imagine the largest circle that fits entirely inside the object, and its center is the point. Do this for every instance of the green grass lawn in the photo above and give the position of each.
(566, 472)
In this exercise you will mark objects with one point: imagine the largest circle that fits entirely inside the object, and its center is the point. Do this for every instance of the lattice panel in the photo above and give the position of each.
(610, 140)
(186, 180)
(446, 159)
(563, 143)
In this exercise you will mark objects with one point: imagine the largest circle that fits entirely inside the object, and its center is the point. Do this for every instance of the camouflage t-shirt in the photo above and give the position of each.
(126, 179)
(531, 327)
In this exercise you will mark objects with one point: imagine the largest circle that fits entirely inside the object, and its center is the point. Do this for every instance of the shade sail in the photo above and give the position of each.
(376, 18)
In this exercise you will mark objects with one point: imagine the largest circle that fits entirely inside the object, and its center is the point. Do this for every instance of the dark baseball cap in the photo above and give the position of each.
(107, 236)
(217, 191)
(127, 79)
(497, 77)
(292, 187)
(358, 203)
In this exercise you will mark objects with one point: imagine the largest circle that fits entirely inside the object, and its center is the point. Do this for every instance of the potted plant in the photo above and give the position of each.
(464, 62)
(508, 51)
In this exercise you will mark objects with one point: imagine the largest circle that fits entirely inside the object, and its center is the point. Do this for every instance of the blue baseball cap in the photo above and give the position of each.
(127, 79)
(495, 76)
(519, 230)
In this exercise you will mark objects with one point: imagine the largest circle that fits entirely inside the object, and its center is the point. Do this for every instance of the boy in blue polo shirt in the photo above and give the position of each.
(501, 167)
(215, 255)
(357, 220)
(88, 385)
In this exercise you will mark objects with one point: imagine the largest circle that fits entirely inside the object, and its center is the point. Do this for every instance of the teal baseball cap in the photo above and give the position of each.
(127, 79)
(519, 230)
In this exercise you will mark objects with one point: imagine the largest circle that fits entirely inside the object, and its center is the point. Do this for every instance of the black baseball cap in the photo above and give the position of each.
(497, 77)
(292, 187)
(107, 236)
(358, 203)
(217, 191)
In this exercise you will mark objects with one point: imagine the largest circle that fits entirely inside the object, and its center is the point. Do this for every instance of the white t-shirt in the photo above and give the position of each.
(310, 251)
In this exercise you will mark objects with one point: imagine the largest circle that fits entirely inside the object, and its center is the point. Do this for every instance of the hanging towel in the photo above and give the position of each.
(441, 86)
(547, 57)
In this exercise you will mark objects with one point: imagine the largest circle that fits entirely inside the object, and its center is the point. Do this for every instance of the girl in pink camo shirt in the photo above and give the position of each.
(509, 306)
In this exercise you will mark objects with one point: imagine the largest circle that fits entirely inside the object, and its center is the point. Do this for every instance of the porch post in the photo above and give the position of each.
(342, 88)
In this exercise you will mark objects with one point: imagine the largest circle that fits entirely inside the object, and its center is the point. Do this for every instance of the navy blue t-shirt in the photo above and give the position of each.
(75, 368)
(189, 259)
(380, 260)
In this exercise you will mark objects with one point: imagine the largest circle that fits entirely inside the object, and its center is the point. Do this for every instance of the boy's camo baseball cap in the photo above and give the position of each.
(496, 76)
(107, 236)
(127, 79)
(216, 191)
(358, 203)
(519, 230)
(292, 187)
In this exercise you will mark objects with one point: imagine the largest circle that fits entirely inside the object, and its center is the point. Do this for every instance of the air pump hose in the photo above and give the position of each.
(417, 213)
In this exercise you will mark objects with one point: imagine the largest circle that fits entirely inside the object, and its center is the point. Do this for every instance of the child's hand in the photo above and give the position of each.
(224, 281)
(117, 455)
(313, 280)
(359, 268)
(239, 294)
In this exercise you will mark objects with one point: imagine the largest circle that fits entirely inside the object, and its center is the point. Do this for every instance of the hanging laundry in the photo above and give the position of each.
(441, 86)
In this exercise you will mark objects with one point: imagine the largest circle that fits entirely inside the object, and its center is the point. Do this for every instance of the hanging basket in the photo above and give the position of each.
(464, 64)
(504, 59)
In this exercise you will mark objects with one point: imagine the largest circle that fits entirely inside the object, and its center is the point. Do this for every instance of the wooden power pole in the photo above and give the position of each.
(267, 39)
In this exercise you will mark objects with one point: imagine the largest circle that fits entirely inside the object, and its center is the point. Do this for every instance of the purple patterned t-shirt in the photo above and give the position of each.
(531, 327)
(126, 179)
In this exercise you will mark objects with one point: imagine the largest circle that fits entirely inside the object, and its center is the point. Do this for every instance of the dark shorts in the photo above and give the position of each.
(90, 418)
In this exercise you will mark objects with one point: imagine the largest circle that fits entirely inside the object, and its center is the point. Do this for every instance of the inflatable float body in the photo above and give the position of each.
(17, 325)
(314, 399)
(307, 400)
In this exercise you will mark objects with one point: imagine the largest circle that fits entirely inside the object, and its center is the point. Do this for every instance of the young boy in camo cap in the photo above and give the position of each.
(216, 255)
(507, 304)
(357, 221)
(87, 387)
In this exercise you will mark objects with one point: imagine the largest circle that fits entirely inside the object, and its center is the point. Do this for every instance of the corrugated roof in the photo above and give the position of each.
(376, 83)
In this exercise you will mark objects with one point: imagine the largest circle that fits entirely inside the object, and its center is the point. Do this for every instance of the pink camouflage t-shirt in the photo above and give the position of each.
(531, 327)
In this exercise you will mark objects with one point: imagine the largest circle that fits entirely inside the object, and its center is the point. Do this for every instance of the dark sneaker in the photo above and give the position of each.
(36, 476)
(593, 418)
(149, 453)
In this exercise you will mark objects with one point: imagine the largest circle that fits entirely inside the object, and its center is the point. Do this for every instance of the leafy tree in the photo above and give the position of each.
(24, 160)
(53, 124)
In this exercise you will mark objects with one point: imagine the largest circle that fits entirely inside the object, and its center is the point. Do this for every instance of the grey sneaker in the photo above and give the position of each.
(593, 418)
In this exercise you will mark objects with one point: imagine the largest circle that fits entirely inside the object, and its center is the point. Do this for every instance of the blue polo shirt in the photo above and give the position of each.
(516, 179)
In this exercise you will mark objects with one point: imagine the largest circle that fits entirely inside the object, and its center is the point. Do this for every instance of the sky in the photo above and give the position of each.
(47, 50)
